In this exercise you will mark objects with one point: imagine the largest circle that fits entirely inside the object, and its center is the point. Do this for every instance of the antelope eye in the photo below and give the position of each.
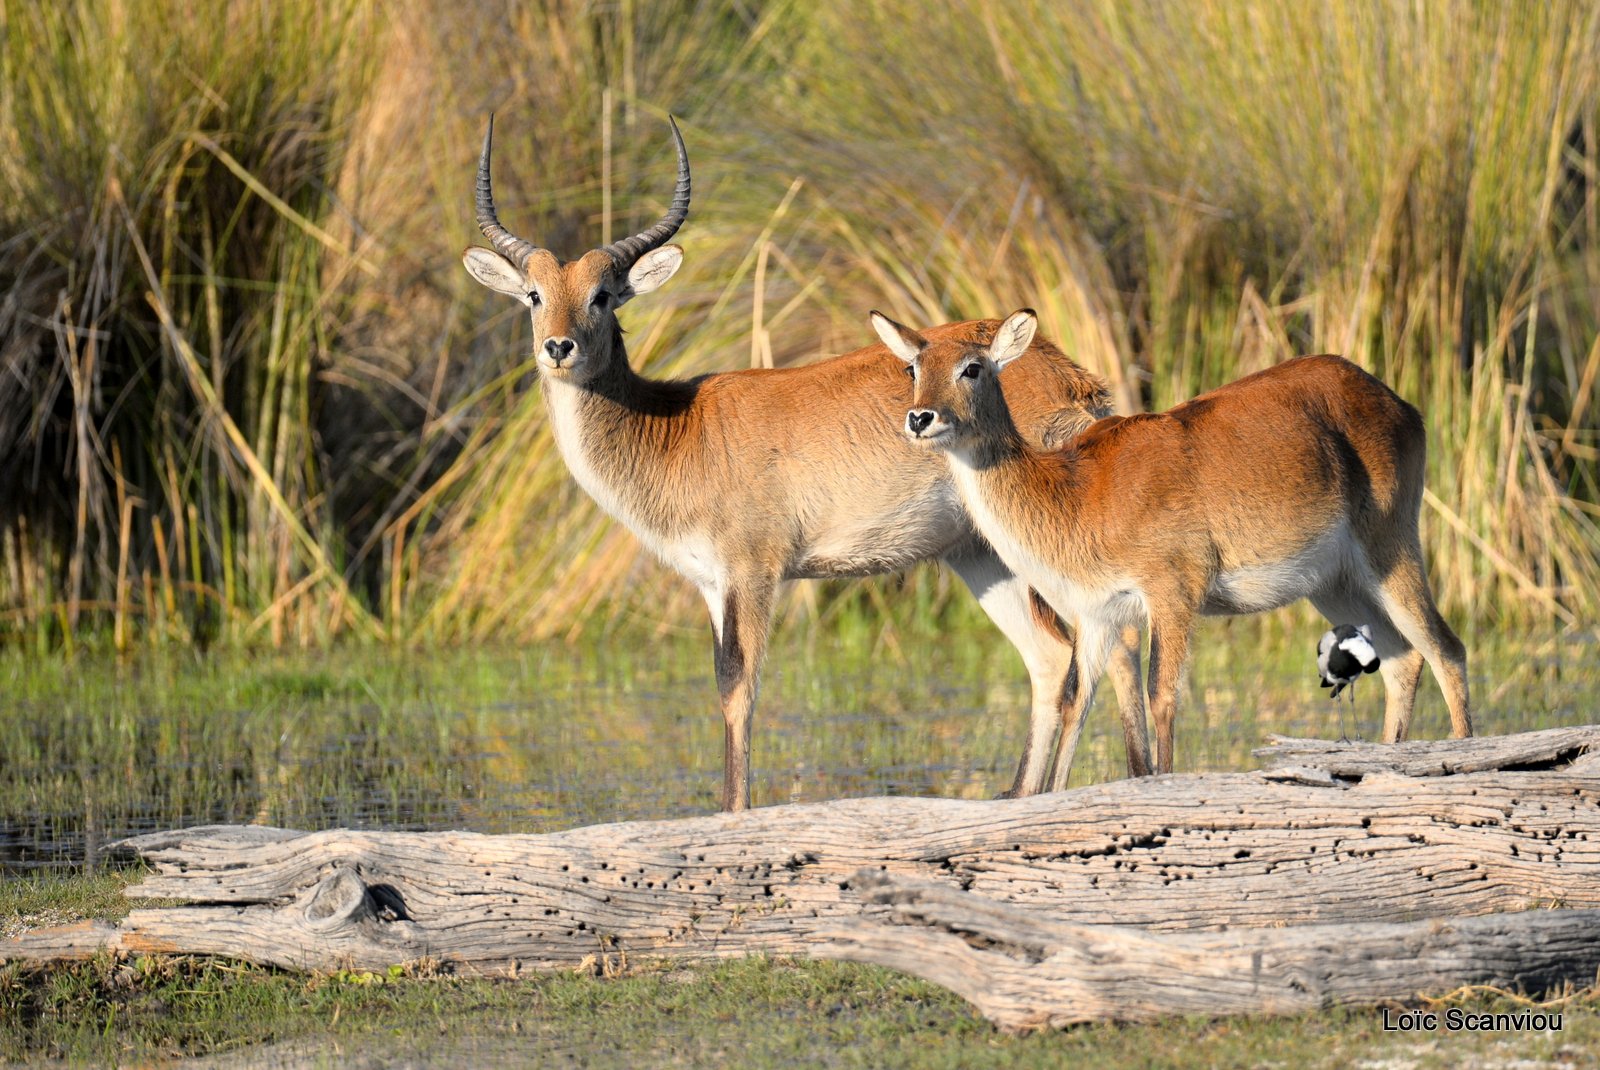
(911, 370)
(972, 371)
(601, 299)
(533, 297)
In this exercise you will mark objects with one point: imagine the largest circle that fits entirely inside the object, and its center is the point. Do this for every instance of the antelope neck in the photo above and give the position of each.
(623, 436)
(1008, 487)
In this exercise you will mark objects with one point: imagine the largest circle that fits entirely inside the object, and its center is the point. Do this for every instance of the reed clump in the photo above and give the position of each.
(168, 287)
(248, 393)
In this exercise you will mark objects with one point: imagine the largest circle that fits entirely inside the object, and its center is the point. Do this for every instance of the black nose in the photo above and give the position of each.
(918, 420)
(559, 348)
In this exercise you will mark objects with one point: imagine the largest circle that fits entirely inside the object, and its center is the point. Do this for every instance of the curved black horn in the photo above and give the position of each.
(506, 244)
(625, 252)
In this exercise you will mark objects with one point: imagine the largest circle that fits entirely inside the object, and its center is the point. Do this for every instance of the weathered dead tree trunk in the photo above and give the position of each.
(1024, 970)
(1318, 837)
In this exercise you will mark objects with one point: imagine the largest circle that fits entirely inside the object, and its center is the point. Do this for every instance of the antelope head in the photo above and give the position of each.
(574, 303)
(956, 400)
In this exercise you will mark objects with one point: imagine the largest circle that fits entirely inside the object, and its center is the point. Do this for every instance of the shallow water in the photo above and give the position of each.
(548, 738)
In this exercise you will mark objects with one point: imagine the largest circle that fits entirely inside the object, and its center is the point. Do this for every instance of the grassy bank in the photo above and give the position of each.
(755, 1013)
(542, 737)
(251, 397)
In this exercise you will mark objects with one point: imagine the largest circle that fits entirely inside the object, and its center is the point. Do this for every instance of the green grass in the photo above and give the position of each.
(755, 1012)
(550, 736)
(54, 897)
(255, 400)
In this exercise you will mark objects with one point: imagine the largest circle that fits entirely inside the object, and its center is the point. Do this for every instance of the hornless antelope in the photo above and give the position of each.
(1301, 481)
(741, 480)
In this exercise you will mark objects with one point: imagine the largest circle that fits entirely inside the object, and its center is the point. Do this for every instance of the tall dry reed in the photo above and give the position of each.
(249, 391)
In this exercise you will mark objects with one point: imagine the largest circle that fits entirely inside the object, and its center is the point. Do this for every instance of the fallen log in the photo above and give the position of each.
(1525, 751)
(1025, 970)
(1303, 842)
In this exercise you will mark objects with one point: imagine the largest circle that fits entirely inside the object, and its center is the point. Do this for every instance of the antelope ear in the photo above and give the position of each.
(902, 341)
(652, 269)
(1011, 340)
(495, 272)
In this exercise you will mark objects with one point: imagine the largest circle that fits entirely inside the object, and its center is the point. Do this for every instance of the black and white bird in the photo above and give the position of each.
(1344, 653)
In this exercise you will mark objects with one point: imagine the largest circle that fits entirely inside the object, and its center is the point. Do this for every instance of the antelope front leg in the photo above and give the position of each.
(1124, 672)
(1169, 658)
(1041, 639)
(1088, 661)
(1122, 665)
(740, 619)
(1046, 646)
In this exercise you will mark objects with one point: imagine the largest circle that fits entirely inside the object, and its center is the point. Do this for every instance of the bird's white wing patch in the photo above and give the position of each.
(1359, 647)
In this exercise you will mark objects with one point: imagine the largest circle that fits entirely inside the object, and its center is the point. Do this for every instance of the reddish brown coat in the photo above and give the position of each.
(1303, 480)
(741, 480)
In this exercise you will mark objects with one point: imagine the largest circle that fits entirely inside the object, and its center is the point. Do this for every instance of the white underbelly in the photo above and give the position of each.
(866, 538)
(1107, 605)
(1272, 584)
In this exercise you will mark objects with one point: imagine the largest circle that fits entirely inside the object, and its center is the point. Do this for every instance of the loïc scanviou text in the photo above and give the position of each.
(1457, 1020)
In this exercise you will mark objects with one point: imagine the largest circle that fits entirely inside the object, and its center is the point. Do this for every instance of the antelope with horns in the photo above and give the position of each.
(1301, 481)
(741, 480)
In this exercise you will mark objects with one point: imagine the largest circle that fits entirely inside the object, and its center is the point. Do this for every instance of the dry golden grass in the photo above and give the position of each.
(250, 394)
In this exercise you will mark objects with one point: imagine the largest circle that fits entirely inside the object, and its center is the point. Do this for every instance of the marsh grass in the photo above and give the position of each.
(45, 898)
(749, 1013)
(249, 395)
(167, 292)
(545, 738)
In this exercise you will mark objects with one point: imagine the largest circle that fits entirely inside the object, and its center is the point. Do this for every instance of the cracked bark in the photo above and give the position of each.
(1025, 970)
(1328, 833)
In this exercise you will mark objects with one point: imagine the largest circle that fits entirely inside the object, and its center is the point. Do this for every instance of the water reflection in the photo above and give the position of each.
(531, 741)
